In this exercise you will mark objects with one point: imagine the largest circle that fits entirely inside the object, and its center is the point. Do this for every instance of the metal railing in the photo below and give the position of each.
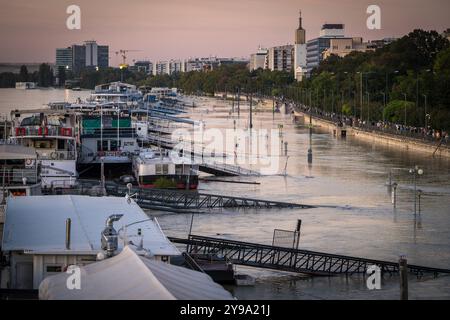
(43, 131)
(380, 127)
(13, 176)
(56, 155)
(291, 259)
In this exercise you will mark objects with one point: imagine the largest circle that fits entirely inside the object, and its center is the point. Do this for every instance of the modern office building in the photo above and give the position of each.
(343, 46)
(91, 54)
(160, 67)
(174, 66)
(167, 67)
(63, 59)
(280, 58)
(103, 56)
(300, 51)
(78, 58)
(143, 66)
(258, 59)
(87, 55)
(316, 47)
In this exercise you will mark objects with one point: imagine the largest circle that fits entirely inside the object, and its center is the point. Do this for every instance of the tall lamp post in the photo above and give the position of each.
(415, 171)
(384, 104)
(368, 107)
(404, 94)
(425, 122)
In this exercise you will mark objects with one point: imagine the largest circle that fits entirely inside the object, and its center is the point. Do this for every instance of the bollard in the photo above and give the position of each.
(403, 269)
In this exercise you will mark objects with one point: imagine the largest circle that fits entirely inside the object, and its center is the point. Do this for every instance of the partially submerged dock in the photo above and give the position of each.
(291, 259)
(179, 199)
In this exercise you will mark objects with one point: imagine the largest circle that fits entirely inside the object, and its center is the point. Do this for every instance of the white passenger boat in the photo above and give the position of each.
(116, 92)
(52, 134)
(157, 169)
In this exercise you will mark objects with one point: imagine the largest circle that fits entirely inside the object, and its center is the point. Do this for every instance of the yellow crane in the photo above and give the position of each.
(123, 54)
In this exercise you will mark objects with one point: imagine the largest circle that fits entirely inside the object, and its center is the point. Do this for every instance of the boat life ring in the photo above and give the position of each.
(29, 162)
(54, 155)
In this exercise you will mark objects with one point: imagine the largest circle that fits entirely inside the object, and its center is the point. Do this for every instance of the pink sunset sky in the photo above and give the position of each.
(31, 30)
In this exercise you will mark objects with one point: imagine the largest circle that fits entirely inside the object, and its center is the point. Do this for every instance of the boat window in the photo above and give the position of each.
(31, 121)
(179, 169)
(43, 144)
(113, 145)
(61, 144)
(161, 168)
(99, 145)
(53, 268)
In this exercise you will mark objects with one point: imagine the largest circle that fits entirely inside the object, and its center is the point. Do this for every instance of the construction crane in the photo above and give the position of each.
(123, 54)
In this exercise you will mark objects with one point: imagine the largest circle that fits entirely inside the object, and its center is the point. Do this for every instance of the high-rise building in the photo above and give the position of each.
(316, 47)
(91, 53)
(78, 57)
(103, 56)
(174, 66)
(280, 58)
(160, 67)
(258, 59)
(300, 51)
(143, 66)
(63, 59)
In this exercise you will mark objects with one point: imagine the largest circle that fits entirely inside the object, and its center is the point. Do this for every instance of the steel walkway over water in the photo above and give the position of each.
(218, 168)
(153, 198)
(288, 259)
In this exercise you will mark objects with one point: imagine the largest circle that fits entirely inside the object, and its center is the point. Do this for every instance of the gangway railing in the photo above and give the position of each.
(179, 199)
(290, 259)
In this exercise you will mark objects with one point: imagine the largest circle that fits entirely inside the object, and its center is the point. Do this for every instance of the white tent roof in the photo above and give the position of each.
(36, 224)
(129, 276)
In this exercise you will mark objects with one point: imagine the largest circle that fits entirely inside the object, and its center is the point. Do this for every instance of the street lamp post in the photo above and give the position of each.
(361, 94)
(368, 107)
(415, 171)
(384, 104)
(425, 122)
(404, 94)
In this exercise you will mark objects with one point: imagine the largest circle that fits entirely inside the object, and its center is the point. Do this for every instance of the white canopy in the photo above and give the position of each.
(129, 276)
(37, 225)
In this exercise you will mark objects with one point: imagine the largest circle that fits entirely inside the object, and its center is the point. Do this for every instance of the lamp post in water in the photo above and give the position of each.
(415, 171)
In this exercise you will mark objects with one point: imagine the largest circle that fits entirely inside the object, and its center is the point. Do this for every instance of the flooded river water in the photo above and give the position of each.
(347, 181)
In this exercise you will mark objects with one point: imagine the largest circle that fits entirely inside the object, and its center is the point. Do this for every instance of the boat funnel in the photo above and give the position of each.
(109, 236)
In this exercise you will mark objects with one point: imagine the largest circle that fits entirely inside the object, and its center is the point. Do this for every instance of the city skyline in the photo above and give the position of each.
(180, 29)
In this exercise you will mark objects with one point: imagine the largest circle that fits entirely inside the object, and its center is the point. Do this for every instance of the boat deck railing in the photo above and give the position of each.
(17, 176)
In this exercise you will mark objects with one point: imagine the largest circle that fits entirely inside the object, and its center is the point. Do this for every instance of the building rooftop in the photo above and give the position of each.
(36, 224)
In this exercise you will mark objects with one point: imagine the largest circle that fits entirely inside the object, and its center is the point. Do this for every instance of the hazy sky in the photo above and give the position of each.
(30, 30)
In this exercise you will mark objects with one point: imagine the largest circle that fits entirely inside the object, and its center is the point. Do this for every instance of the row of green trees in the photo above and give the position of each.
(406, 82)
(43, 77)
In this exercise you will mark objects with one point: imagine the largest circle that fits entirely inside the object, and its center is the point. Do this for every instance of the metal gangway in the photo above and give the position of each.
(217, 168)
(180, 199)
(290, 259)
(224, 169)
